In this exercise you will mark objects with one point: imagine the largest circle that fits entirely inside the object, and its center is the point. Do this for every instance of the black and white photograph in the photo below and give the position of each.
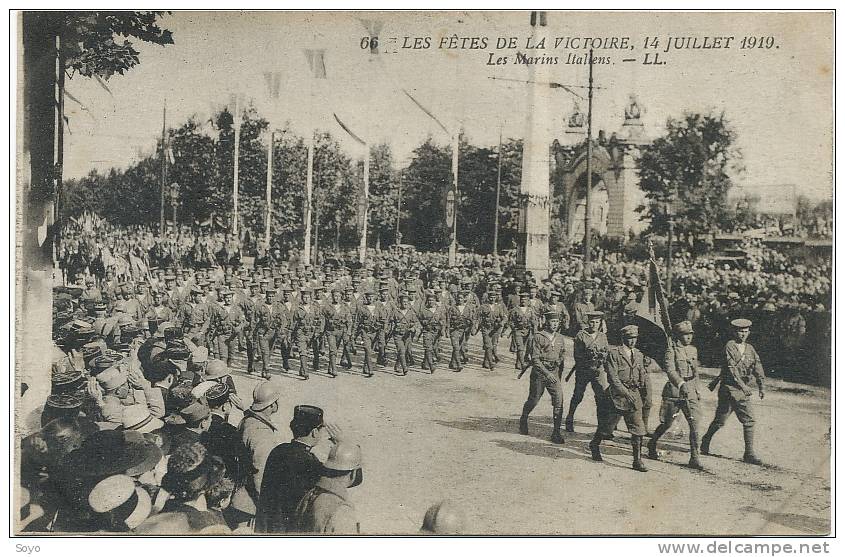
(422, 273)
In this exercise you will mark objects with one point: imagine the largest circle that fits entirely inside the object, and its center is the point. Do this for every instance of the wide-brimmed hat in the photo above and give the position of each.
(121, 501)
(137, 417)
(113, 452)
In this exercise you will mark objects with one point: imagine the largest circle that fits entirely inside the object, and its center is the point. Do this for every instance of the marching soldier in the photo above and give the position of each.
(195, 318)
(351, 329)
(547, 360)
(264, 331)
(740, 365)
(492, 317)
(681, 392)
(305, 330)
(523, 326)
(582, 308)
(229, 325)
(368, 328)
(403, 327)
(432, 327)
(590, 349)
(384, 309)
(251, 304)
(629, 387)
(336, 317)
(555, 305)
(285, 309)
(158, 311)
(460, 321)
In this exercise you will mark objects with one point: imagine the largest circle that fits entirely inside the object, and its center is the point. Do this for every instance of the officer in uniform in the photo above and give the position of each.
(590, 349)
(264, 331)
(629, 386)
(384, 309)
(740, 365)
(491, 318)
(556, 306)
(195, 317)
(547, 360)
(681, 392)
(582, 308)
(351, 327)
(285, 309)
(228, 327)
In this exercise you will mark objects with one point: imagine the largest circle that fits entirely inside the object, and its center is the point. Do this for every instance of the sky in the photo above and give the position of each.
(778, 100)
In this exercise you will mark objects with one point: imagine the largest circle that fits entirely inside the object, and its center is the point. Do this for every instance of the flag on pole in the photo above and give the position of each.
(347, 130)
(424, 109)
(273, 81)
(317, 62)
(654, 306)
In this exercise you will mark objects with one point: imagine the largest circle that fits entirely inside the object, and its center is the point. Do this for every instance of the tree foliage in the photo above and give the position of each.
(690, 163)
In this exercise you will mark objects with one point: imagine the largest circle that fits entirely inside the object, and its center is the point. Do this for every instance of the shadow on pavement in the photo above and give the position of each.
(803, 523)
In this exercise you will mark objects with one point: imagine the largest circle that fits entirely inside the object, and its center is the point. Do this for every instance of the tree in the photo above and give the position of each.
(384, 194)
(427, 179)
(690, 164)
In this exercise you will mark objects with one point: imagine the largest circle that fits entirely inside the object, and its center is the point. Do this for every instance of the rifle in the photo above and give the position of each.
(569, 375)
(521, 373)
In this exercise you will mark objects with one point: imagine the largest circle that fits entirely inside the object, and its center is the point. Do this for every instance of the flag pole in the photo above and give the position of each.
(453, 245)
(269, 189)
(587, 201)
(309, 180)
(362, 247)
(498, 191)
(163, 166)
(237, 123)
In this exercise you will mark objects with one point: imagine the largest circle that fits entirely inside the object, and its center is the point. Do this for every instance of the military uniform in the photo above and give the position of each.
(547, 361)
(460, 322)
(523, 326)
(680, 394)
(590, 351)
(432, 327)
(368, 329)
(403, 325)
(307, 329)
(337, 319)
(740, 365)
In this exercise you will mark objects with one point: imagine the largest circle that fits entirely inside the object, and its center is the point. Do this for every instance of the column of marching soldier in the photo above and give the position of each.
(266, 312)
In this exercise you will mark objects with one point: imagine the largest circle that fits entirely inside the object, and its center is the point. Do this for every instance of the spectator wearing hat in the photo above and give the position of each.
(547, 361)
(292, 469)
(326, 508)
(740, 365)
(123, 385)
(258, 432)
(681, 392)
(119, 503)
(590, 348)
(627, 374)
(191, 474)
(523, 323)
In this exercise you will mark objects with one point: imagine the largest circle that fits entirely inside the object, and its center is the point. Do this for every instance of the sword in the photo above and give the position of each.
(569, 376)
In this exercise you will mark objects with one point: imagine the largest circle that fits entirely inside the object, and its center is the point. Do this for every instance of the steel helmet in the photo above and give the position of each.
(264, 394)
(443, 518)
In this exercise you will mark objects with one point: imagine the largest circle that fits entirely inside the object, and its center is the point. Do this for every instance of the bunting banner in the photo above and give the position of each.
(347, 130)
(654, 306)
(317, 62)
(424, 109)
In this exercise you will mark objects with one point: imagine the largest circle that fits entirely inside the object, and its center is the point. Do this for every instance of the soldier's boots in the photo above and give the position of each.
(694, 461)
(653, 453)
(523, 424)
(749, 456)
(570, 423)
(556, 435)
(595, 451)
(705, 441)
(637, 447)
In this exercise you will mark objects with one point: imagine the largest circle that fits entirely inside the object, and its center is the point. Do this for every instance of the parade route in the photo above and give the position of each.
(454, 436)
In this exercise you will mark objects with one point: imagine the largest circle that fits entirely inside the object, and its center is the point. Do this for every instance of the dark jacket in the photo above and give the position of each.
(290, 472)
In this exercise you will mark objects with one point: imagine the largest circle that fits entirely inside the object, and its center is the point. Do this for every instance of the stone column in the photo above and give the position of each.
(534, 189)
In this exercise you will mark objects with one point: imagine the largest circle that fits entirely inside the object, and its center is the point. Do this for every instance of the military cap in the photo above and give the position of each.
(524, 294)
(595, 314)
(431, 294)
(383, 287)
(630, 331)
(287, 288)
(195, 413)
(218, 394)
(305, 291)
(683, 328)
(741, 323)
(404, 294)
(252, 285)
(269, 291)
(226, 292)
(103, 362)
(551, 315)
(308, 416)
(196, 289)
(111, 378)
(632, 307)
(264, 281)
(100, 307)
(555, 293)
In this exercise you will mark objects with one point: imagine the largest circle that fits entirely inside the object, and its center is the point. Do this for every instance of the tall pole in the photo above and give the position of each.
(362, 246)
(59, 146)
(669, 212)
(588, 204)
(453, 245)
(498, 192)
(309, 181)
(398, 208)
(163, 165)
(269, 190)
(237, 121)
